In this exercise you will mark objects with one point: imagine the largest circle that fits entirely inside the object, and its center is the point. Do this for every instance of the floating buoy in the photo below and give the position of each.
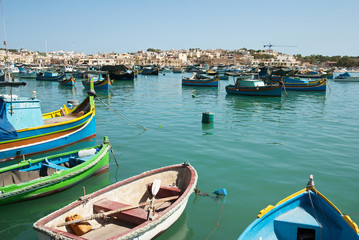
(221, 191)
(207, 117)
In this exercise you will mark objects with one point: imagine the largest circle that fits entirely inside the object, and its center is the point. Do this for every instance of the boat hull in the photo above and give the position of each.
(272, 91)
(57, 181)
(149, 71)
(347, 79)
(48, 78)
(301, 84)
(52, 135)
(98, 85)
(213, 82)
(67, 82)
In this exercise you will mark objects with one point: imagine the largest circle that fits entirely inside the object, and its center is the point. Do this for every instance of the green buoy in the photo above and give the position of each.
(207, 117)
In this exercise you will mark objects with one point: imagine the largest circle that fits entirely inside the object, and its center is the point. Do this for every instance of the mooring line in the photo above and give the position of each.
(217, 224)
(122, 116)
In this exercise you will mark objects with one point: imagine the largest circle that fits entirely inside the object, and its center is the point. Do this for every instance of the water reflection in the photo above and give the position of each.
(239, 102)
(179, 230)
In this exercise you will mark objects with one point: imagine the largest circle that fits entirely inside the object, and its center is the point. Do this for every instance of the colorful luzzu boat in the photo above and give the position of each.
(25, 130)
(306, 214)
(67, 81)
(99, 84)
(200, 80)
(254, 87)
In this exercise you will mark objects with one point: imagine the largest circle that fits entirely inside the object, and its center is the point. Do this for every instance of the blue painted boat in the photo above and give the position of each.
(50, 76)
(27, 73)
(306, 214)
(149, 70)
(254, 87)
(99, 84)
(44, 132)
(69, 82)
(200, 80)
(300, 84)
(346, 77)
(305, 84)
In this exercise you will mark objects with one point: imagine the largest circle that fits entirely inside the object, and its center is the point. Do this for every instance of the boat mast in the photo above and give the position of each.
(3, 23)
(7, 74)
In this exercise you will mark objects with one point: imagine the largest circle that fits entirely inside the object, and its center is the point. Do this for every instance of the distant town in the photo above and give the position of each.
(177, 58)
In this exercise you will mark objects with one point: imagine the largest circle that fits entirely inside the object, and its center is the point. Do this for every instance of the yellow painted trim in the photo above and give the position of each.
(351, 223)
(265, 210)
(291, 196)
(91, 112)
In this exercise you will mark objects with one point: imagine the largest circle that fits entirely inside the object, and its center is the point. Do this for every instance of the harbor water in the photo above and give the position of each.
(261, 149)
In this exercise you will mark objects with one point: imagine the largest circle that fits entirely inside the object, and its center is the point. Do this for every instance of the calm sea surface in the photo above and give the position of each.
(261, 149)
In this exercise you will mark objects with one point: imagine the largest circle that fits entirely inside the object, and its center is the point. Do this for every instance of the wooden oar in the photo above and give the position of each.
(154, 190)
(104, 214)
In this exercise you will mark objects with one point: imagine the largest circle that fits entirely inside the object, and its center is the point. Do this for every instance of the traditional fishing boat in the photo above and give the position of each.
(67, 81)
(19, 136)
(35, 178)
(149, 70)
(119, 72)
(99, 84)
(177, 70)
(306, 214)
(199, 80)
(305, 84)
(50, 76)
(27, 73)
(346, 77)
(140, 207)
(254, 87)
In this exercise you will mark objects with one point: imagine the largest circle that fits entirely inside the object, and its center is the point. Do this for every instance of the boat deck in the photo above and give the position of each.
(60, 119)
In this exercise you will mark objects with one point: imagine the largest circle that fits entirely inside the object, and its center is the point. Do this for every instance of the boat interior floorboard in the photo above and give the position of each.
(106, 229)
(59, 119)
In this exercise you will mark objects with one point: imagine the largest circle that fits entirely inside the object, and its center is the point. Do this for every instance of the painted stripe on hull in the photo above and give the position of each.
(97, 172)
(47, 142)
(205, 83)
(273, 91)
(105, 85)
(49, 129)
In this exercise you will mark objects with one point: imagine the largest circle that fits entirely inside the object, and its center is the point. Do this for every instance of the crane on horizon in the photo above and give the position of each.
(271, 45)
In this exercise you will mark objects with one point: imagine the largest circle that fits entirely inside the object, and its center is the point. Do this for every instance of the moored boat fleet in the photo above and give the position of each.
(145, 205)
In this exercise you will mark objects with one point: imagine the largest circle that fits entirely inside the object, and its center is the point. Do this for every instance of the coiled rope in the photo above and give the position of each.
(122, 116)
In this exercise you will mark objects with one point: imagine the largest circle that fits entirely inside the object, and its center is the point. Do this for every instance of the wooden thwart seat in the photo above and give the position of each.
(54, 166)
(165, 191)
(136, 216)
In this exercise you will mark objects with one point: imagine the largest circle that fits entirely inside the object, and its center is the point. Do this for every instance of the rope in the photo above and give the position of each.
(217, 223)
(315, 215)
(122, 116)
(198, 192)
(113, 154)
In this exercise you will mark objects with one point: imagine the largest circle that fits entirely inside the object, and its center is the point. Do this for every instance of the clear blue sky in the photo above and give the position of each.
(324, 27)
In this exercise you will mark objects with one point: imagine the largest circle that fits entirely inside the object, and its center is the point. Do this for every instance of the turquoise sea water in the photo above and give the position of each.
(261, 149)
